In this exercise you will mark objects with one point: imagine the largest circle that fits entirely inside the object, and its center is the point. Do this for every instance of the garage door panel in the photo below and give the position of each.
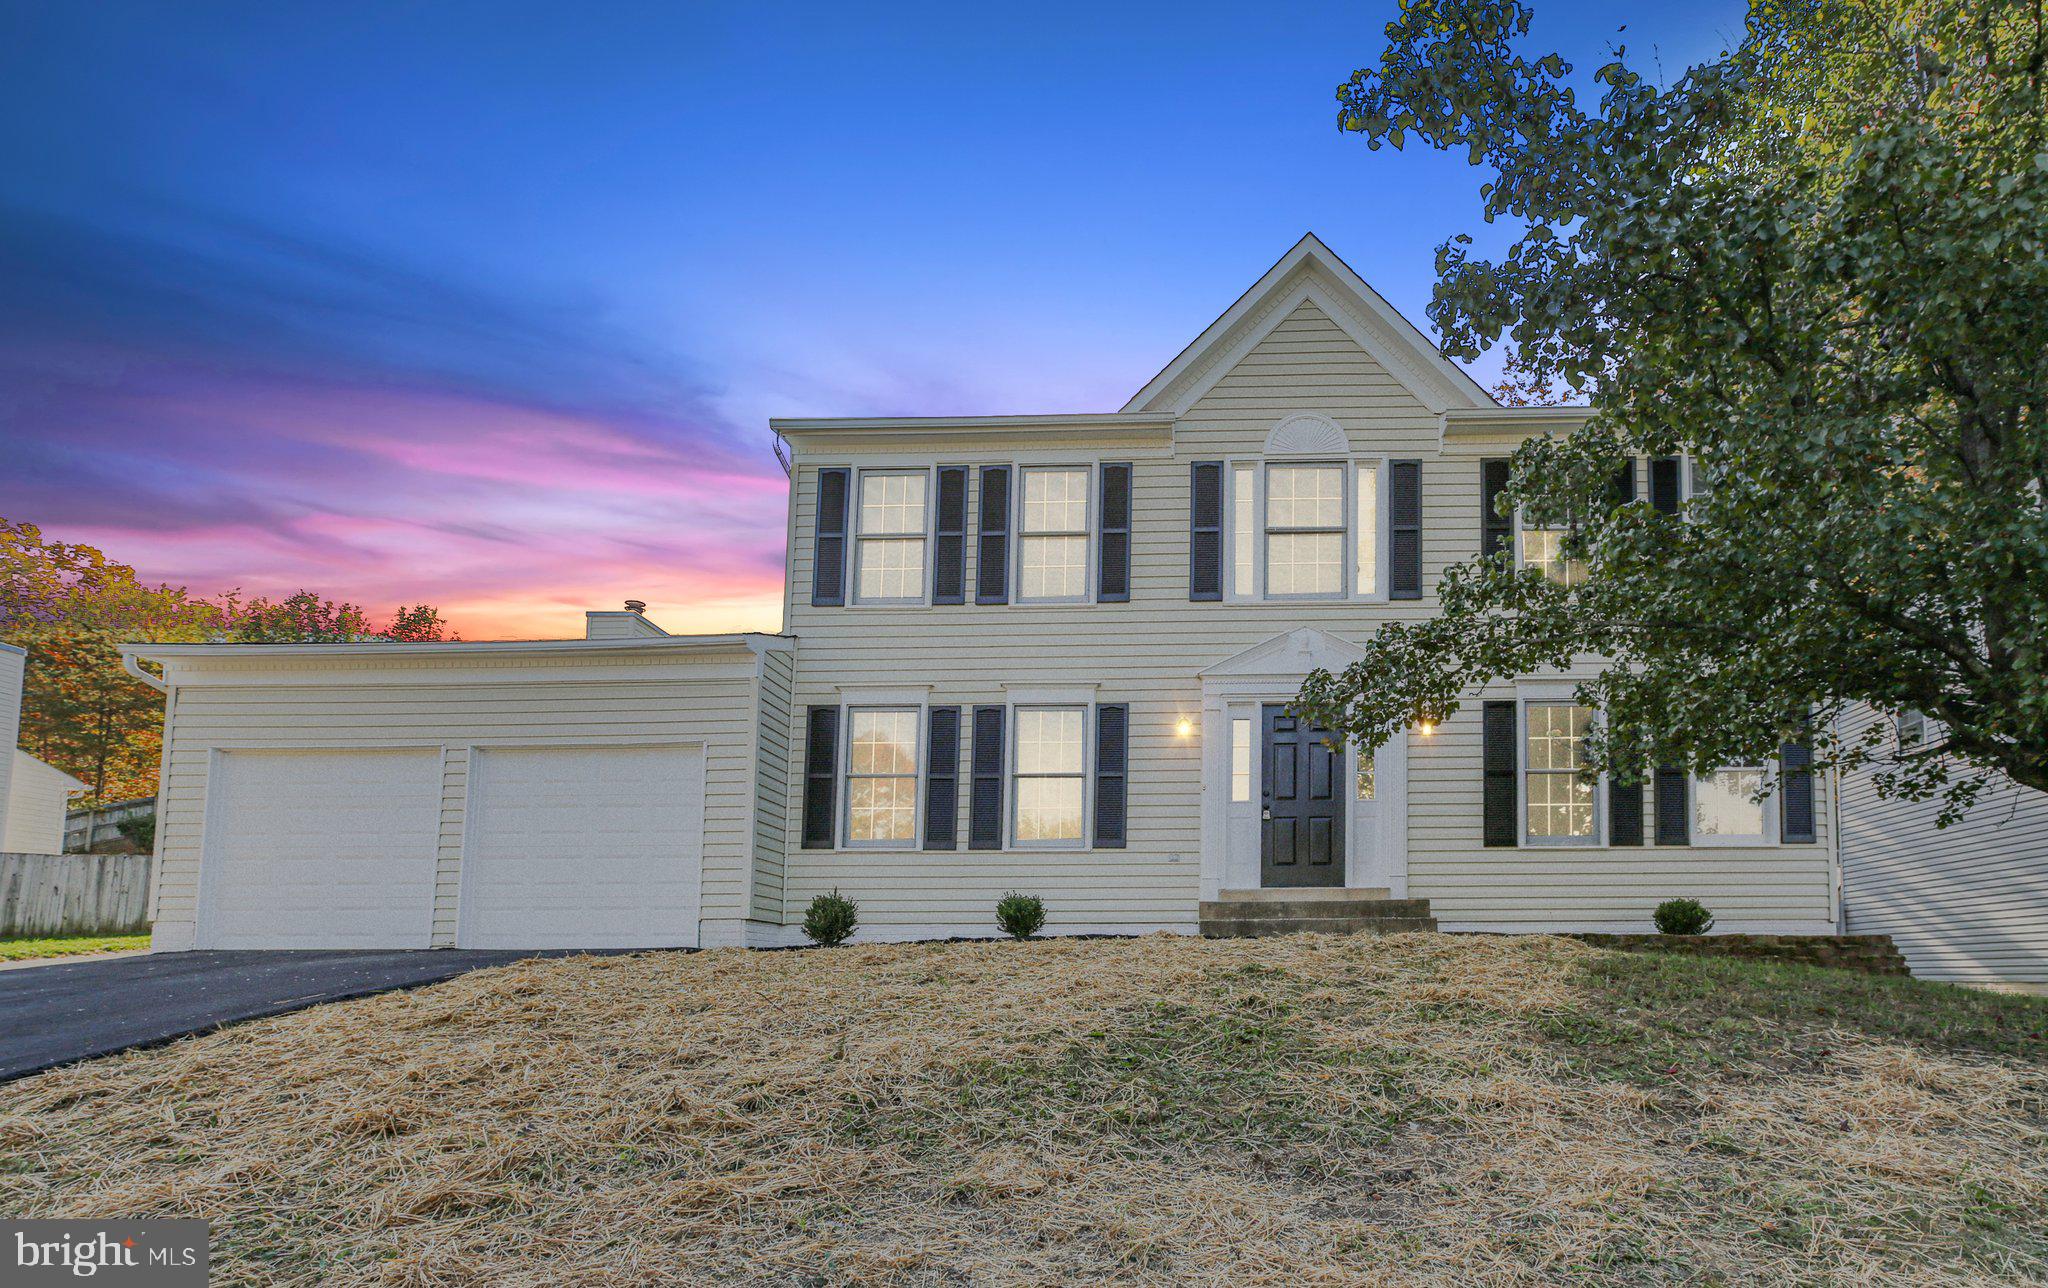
(584, 847)
(321, 849)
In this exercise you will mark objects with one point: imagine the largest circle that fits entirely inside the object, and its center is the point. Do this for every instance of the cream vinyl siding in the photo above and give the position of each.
(1783, 888)
(1149, 652)
(617, 698)
(1968, 902)
(35, 804)
(13, 666)
(772, 833)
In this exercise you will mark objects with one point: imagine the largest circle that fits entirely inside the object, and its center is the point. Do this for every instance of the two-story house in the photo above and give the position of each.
(1043, 653)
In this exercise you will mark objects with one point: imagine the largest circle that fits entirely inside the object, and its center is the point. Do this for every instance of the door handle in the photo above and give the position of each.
(1266, 813)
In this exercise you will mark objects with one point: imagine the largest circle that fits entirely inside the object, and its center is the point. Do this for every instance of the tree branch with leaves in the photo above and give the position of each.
(1818, 267)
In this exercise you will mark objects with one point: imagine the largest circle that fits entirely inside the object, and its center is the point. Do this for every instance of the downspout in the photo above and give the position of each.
(130, 664)
(1835, 890)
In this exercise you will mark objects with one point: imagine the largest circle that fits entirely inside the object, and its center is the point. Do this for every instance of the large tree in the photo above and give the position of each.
(72, 608)
(305, 618)
(1818, 266)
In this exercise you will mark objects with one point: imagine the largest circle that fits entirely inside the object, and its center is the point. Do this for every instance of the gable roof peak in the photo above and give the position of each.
(1311, 271)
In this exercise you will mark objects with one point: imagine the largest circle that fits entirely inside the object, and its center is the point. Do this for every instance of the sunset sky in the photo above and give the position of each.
(487, 305)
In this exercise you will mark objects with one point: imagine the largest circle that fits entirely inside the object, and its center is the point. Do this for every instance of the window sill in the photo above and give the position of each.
(965, 851)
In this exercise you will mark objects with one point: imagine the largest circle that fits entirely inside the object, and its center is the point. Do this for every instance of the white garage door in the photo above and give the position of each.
(320, 849)
(583, 847)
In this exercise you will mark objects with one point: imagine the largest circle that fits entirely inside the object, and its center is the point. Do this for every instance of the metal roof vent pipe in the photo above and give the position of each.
(636, 605)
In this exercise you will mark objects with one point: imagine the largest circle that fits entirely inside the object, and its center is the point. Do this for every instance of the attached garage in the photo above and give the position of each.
(583, 847)
(320, 849)
(597, 793)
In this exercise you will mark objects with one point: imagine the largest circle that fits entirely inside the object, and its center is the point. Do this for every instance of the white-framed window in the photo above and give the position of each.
(1560, 803)
(1049, 776)
(1365, 530)
(882, 776)
(1240, 760)
(1541, 547)
(1734, 805)
(891, 523)
(1244, 530)
(1911, 727)
(1304, 530)
(1307, 529)
(1053, 534)
(1364, 787)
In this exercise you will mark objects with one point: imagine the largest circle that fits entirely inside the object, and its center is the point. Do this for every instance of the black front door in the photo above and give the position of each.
(1301, 840)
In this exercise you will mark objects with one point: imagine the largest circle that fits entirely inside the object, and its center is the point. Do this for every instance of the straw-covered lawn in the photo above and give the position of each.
(1305, 1110)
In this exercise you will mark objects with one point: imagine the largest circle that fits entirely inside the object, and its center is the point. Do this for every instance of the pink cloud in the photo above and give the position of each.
(512, 519)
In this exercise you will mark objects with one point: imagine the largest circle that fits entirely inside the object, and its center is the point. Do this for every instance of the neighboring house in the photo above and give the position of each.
(1968, 902)
(33, 795)
(37, 798)
(1046, 653)
(13, 660)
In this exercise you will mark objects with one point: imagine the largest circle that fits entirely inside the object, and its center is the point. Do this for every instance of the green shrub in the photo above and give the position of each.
(141, 830)
(1020, 915)
(831, 919)
(1683, 917)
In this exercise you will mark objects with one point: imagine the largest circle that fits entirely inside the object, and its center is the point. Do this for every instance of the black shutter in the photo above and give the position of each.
(1795, 792)
(821, 775)
(1624, 812)
(828, 539)
(1498, 741)
(985, 811)
(949, 550)
(992, 559)
(942, 780)
(1205, 530)
(1113, 567)
(1674, 827)
(1664, 492)
(1404, 530)
(1494, 527)
(1624, 485)
(1112, 757)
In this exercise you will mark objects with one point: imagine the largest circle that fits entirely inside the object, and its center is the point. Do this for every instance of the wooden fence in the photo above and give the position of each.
(74, 894)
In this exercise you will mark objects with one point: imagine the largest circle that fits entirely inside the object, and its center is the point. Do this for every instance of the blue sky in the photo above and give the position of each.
(487, 304)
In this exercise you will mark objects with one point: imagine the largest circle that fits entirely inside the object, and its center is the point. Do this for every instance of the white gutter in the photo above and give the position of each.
(130, 663)
(786, 426)
(752, 642)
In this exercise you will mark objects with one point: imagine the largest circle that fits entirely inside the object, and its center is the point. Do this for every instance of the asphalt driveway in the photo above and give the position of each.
(57, 1014)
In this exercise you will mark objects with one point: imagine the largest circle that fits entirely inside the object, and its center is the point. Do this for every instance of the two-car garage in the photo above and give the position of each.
(562, 847)
(482, 796)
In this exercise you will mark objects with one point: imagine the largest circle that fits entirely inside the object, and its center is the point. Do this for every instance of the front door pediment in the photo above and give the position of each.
(1288, 656)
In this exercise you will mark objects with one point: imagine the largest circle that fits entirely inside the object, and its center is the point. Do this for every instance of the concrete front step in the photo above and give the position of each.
(1261, 927)
(1321, 909)
(1291, 894)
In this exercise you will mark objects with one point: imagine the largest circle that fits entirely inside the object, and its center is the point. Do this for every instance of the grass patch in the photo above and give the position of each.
(1653, 1017)
(25, 949)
